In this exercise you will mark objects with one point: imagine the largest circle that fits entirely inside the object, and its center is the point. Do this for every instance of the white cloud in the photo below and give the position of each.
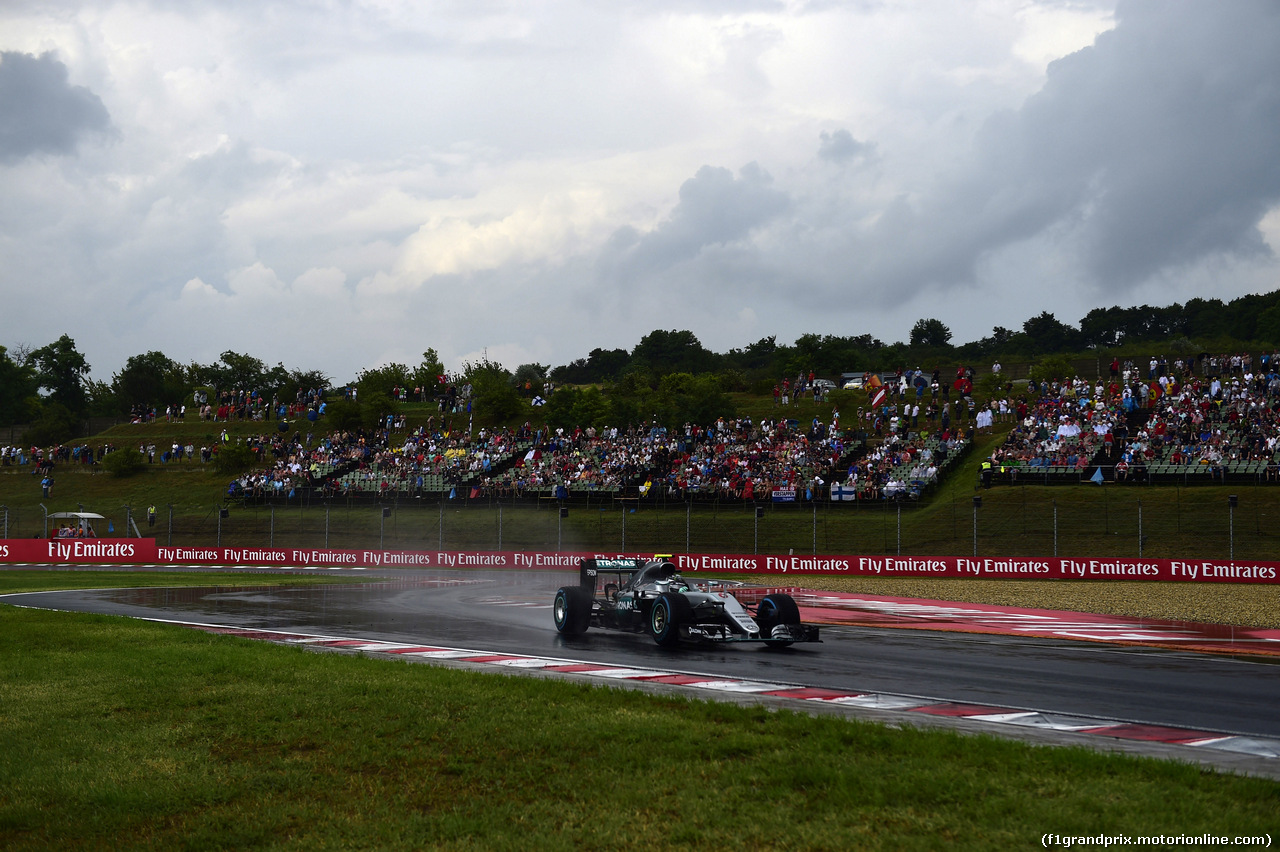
(342, 185)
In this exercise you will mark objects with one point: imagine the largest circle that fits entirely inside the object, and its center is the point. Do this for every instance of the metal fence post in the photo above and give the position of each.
(1232, 499)
(1139, 529)
(977, 501)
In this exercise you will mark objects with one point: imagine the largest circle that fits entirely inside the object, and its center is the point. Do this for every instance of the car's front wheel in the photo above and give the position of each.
(572, 610)
(668, 613)
(773, 610)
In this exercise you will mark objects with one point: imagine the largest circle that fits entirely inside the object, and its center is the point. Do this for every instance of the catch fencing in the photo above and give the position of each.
(1167, 522)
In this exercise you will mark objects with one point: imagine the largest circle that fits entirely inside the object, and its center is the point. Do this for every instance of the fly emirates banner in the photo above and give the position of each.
(145, 551)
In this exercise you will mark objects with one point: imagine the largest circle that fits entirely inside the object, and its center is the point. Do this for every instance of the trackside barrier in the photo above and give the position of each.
(145, 551)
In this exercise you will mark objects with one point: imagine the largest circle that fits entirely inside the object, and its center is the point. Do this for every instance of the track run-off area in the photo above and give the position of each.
(1201, 693)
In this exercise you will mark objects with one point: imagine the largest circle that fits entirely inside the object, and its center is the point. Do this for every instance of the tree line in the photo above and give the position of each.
(668, 375)
(1199, 323)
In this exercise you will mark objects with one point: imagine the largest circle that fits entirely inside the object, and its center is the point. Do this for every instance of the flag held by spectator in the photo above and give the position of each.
(843, 492)
(878, 396)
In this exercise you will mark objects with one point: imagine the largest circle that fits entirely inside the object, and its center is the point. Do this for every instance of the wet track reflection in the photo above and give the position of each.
(510, 612)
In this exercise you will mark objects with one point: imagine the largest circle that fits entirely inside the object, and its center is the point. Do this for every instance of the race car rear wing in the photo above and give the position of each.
(621, 570)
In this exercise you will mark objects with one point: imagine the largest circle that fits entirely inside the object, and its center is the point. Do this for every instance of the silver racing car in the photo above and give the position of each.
(651, 596)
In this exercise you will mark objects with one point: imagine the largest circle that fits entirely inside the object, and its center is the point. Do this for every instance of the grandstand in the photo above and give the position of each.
(1215, 429)
(728, 461)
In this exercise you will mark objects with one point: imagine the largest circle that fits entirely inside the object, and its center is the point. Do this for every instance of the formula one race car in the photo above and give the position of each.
(651, 596)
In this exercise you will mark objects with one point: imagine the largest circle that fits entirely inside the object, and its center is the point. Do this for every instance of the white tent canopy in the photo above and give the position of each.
(83, 520)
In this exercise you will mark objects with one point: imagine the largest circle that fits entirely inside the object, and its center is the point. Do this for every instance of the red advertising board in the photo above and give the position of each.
(136, 551)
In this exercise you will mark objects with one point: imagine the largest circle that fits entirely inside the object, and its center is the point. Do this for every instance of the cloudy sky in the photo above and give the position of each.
(341, 184)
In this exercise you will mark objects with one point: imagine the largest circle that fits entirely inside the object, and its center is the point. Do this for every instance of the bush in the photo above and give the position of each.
(124, 462)
(233, 458)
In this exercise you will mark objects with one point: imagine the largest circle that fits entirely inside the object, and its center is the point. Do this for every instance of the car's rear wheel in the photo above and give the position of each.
(668, 613)
(773, 610)
(572, 610)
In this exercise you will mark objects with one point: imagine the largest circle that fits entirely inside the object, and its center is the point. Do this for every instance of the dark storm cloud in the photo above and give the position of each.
(1155, 147)
(39, 111)
(715, 209)
(839, 146)
(1182, 113)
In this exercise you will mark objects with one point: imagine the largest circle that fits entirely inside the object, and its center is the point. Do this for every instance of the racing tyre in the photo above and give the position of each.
(572, 610)
(668, 613)
(773, 610)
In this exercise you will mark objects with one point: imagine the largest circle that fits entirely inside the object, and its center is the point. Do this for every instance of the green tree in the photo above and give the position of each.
(383, 380)
(534, 375)
(374, 408)
(930, 332)
(124, 462)
(760, 356)
(61, 370)
(493, 394)
(235, 457)
(344, 414)
(18, 390)
(673, 352)
(304, 380)
(427, 374)
(1050, 368)
(102, 399)
(54, 424)
(571, 406)
(682, 398)
(1048, 334)
(1269, 325)
(233, 371)
(601, 365)
(150, 379)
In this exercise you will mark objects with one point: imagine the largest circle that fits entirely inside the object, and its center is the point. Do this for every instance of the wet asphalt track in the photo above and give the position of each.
(509, 612)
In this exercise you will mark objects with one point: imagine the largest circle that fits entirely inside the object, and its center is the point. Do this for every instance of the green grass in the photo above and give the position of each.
(123, 734)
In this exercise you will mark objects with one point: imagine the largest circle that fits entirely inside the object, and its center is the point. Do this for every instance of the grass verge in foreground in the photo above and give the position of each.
(136, 735)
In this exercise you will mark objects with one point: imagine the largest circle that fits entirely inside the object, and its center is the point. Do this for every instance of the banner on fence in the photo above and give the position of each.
(145, 551)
